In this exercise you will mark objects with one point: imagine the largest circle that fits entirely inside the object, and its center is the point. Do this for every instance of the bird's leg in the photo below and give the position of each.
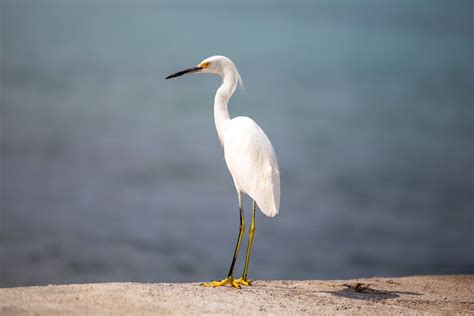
(243, 280)
(230, 277)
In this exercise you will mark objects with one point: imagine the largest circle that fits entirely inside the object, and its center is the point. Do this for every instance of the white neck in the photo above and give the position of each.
(230, 79)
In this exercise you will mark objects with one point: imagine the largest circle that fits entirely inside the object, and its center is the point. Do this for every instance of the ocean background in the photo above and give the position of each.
(111, 173)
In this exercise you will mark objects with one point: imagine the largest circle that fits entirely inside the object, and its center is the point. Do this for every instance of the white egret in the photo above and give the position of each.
(249, 156)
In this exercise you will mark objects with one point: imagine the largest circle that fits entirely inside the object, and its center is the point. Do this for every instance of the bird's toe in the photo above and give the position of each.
(228, 280)
(244, 282)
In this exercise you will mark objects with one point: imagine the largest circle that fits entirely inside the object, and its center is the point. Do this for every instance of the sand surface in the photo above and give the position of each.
(414, 295)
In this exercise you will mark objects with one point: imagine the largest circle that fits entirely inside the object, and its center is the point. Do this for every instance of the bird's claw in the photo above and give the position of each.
(223, 282)
(244, 282)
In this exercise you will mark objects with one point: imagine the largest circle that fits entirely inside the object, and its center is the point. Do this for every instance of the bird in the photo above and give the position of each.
(249, 156)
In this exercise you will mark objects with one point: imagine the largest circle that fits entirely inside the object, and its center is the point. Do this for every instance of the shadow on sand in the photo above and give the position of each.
(360, 291)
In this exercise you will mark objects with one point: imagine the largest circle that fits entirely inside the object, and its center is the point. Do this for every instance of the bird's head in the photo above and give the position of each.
(219, 65)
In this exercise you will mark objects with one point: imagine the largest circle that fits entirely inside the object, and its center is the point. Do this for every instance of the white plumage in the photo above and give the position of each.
(248, 153)
(252, 163)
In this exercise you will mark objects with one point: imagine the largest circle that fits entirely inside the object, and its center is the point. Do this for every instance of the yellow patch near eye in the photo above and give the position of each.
(205, 65)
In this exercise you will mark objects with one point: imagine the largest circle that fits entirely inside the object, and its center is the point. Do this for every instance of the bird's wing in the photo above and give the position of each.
(253, 163)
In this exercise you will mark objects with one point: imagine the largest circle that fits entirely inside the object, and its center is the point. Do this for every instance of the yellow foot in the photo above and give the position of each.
(244, 282)
(229, 280)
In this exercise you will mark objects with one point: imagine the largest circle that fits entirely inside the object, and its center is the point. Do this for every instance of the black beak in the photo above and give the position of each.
(185, 71)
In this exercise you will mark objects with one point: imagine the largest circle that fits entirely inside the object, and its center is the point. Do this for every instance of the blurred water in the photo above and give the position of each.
(110, 173)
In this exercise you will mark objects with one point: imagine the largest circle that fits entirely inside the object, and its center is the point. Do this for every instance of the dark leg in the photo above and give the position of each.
(239, 239)
(230, 277)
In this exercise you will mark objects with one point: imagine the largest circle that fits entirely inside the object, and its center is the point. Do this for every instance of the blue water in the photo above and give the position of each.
(111, 173)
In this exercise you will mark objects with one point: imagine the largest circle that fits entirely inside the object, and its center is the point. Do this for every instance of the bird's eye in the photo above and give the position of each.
(205, 65)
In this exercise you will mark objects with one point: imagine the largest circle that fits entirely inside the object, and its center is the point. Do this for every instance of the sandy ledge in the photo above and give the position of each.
(413, 295)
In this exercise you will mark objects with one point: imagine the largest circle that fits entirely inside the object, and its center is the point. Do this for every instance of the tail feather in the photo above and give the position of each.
(269, 201)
